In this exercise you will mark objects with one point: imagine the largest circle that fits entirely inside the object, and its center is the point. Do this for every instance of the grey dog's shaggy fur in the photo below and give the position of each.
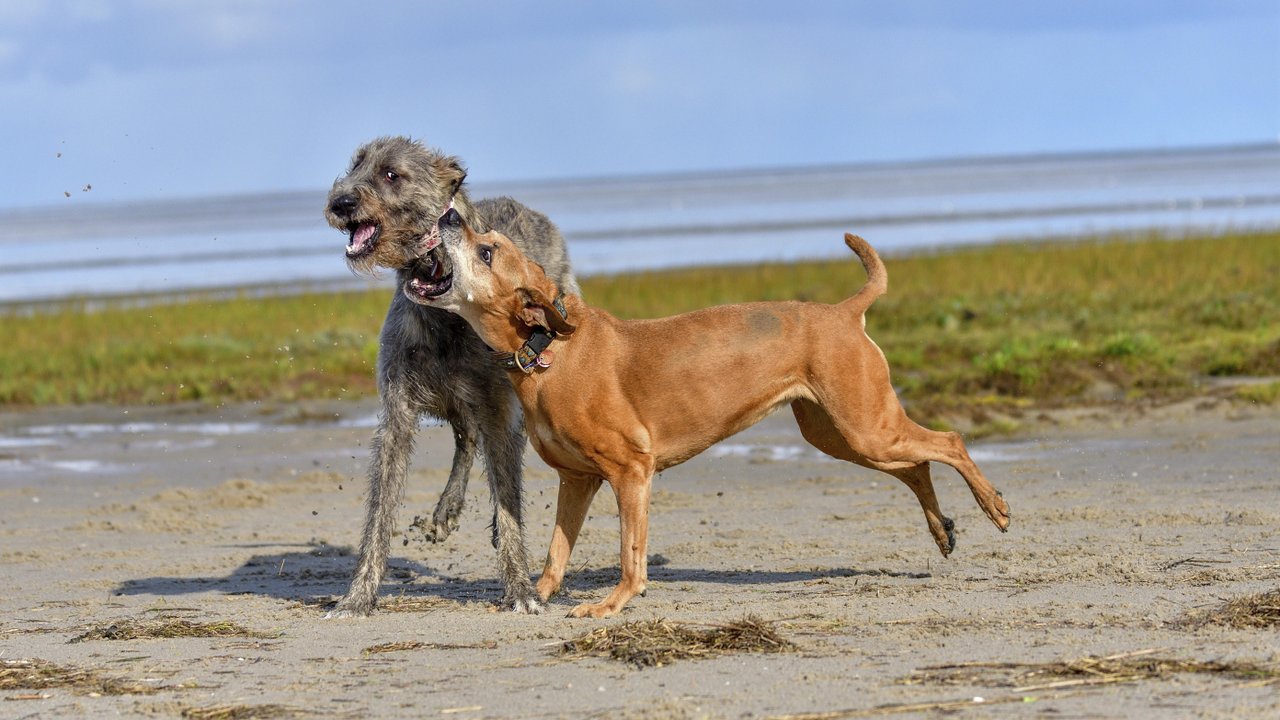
(430, 361)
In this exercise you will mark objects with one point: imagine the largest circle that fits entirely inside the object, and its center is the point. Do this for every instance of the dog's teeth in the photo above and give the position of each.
(362, 234)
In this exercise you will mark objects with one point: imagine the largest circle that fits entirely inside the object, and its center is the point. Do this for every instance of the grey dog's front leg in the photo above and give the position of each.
(504, 454)
(392, 448)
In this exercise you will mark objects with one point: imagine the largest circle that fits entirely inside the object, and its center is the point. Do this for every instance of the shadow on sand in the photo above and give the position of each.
(318, 574)
(308, 574)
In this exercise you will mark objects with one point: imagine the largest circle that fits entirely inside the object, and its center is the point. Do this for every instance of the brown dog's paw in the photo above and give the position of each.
(547, 590)
(994, 505)
(594, 610)
(1001, 518)
(943, 534)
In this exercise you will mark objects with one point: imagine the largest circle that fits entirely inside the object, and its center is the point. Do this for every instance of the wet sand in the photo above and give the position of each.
(1123, 523)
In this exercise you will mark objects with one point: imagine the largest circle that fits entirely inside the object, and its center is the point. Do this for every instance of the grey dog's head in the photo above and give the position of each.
(390, 199)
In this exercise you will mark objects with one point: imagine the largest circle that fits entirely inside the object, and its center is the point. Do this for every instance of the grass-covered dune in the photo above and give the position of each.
(1006, 326)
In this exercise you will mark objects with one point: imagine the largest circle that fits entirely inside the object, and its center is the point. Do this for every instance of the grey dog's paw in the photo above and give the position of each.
(438, 532)
(525, 606)
(349, 609)
(438, 529)
(443, 521)
(336, 614)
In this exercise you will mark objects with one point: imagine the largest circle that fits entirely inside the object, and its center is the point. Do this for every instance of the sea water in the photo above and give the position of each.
(278, 242)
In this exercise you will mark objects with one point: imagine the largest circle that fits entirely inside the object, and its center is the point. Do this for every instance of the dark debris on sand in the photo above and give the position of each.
(1248, 612)
(654, 643)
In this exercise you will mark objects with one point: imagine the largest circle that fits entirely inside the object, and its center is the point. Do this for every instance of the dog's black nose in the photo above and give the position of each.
(343, 204)
(451, 219)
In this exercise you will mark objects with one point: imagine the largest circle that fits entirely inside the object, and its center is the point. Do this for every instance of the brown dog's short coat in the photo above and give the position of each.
(616, 401)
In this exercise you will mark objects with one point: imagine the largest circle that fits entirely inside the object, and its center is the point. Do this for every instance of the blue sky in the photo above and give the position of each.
(179, 98)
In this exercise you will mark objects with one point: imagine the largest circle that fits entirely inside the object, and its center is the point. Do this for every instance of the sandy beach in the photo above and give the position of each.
(1125, 526)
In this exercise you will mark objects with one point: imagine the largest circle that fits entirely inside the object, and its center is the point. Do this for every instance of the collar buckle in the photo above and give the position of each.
(529, 357)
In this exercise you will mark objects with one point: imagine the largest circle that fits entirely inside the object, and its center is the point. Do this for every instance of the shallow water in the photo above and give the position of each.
(633, 223)
(193, 444)
(178, 442)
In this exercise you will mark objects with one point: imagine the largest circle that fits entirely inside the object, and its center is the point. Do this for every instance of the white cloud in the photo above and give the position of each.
(90, 11)
(221, 24)
(197, 96)
(14, 13)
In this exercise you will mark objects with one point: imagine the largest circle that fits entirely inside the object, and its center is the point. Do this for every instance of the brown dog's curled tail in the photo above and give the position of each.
(877, 278)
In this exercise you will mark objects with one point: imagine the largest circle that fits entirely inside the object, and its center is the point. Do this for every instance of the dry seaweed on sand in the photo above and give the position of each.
(1248, 612)
(240, 712)
(168, 628)
(44, 675)
(1092, 670)
(653, 643)
(400, 603)
(418, 645)
(412, 603)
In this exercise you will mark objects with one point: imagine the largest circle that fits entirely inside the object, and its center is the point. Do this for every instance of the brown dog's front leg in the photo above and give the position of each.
(633, 515)
(576, 493)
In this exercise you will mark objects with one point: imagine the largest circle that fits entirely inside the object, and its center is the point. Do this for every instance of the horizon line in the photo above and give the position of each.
(55, 207)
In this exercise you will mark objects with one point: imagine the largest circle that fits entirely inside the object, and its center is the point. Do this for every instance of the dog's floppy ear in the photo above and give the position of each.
(453, 173)
(462, 177)
(537, 311)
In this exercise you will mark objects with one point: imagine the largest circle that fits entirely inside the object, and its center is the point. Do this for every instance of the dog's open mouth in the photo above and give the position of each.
(430, 276)
(364, 236)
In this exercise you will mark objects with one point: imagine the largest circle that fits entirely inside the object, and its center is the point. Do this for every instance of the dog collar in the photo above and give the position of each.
(533, 353)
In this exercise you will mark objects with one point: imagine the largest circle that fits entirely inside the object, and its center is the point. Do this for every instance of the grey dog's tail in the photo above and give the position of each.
(877, 279)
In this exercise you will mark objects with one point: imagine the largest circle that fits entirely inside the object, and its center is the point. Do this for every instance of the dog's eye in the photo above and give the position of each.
(486, 255)
(391, 176)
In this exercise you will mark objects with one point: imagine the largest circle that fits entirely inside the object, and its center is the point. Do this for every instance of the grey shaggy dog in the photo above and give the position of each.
(430, 362)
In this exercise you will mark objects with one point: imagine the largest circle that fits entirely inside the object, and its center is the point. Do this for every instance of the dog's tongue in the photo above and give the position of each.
(361, 236)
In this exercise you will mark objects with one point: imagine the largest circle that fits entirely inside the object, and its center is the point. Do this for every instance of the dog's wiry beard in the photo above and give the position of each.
(395, 249)
(364, 266)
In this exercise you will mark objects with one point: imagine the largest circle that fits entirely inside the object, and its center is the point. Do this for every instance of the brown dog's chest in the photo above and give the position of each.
(556, 451)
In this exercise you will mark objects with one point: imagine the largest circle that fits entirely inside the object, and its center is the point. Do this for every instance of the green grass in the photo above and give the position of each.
(247, 348)
(995, 327)
(1260, 394)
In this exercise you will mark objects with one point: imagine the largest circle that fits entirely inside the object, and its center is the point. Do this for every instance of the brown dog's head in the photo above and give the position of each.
(390, 198)
(487, 280)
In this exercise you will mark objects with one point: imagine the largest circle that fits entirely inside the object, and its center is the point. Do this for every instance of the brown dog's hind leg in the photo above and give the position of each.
(948, 448)
(896, 445)
(575, 495)
(818, 429)
(952, 452)
(941, 527)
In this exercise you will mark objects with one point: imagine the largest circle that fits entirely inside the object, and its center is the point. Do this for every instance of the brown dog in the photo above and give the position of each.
(616, 401)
